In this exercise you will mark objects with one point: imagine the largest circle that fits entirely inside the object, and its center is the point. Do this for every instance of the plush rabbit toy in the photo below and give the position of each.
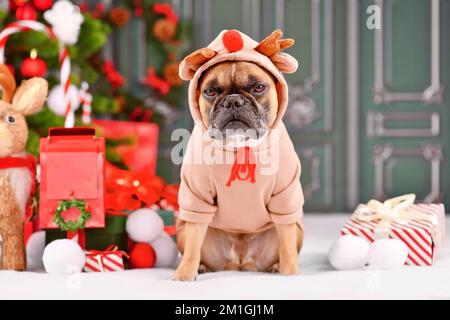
(16, 168)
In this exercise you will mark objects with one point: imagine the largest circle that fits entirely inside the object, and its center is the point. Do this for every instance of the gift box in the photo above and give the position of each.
(114, 233)
(420, 226)
(109, 260)
(141, 150)
(72, 163)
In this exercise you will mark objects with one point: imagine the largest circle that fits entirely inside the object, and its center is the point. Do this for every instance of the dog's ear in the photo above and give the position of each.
(272, 46)
(195, 60)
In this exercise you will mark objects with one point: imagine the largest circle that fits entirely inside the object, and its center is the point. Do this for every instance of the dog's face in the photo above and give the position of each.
(237, 99)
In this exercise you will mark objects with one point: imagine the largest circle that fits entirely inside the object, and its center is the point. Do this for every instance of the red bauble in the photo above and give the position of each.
(232, 40)
(43, 4)
(142, 256)
(33, 68)
(26, 12)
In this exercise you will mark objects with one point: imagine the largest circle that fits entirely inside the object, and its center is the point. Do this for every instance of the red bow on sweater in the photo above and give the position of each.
(244, 162)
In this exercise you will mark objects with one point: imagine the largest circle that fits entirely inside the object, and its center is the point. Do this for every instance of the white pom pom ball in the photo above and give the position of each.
(349, 252)
(166, 251)
(388, 253)
(55, 100)
(144, 225)
(35, 250)
(63, 257)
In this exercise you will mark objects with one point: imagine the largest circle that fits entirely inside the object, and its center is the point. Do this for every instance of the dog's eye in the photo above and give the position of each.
(259, 87)
(209, 92)
(10, 119)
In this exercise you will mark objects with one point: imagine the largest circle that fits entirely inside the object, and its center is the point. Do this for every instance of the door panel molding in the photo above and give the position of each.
(353, 103)
(376, 124)
(304, 109)
(383, 153)
(320, 171)
(433, 94)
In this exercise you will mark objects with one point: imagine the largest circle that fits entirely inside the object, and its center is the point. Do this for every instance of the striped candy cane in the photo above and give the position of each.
(64, 59)
(86, 102)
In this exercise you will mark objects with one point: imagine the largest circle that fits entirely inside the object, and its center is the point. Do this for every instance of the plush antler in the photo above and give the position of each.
(7, 82)
(200, 56)
(274, 44)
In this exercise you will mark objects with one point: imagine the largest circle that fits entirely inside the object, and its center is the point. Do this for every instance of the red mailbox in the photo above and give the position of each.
(72, 179)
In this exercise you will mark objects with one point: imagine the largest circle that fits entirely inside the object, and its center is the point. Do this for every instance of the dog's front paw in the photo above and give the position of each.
(289, 269)
(186, 273)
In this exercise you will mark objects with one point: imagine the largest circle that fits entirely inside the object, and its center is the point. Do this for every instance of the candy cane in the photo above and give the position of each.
(85, 101)
(64, 59)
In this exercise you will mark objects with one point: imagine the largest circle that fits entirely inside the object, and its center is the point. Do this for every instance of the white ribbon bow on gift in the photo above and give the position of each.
(397, 210)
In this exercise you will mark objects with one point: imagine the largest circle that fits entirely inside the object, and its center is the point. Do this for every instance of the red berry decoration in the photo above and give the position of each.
(142, 256)
(232, 40)
(33, 66)
(26, 12)
(43, 4)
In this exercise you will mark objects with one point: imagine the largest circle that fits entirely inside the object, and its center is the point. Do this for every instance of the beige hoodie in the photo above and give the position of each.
(243, 190)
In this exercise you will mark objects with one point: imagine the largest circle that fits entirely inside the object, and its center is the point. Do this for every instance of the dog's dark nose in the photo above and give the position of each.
(233, 101)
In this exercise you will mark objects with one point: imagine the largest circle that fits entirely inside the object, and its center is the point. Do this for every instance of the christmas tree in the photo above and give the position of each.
(34, 53)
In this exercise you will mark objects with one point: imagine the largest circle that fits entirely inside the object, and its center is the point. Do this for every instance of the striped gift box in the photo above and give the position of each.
(105, 261)
(423, 236)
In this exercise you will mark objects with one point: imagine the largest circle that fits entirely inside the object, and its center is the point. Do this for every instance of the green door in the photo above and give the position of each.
(369, 109)
(403, 101)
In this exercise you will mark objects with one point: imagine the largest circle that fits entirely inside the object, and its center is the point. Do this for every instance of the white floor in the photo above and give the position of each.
(317, 281)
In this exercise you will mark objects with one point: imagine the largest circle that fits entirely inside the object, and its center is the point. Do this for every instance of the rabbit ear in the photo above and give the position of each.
(30, 96)
(195, 60)
(7, 82)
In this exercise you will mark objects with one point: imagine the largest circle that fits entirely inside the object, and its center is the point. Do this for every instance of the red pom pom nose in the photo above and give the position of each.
(232, 40)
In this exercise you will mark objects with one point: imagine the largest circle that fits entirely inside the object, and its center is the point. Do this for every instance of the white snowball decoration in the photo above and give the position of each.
(63, 256)
(144, 225)
(66, 20)
(35, 250)
(166, 251)
(55, 100)
(349, 252)
(388, 253)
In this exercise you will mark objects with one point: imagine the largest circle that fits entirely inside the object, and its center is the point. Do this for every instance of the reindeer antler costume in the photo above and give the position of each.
(212, 192)
(17, 170)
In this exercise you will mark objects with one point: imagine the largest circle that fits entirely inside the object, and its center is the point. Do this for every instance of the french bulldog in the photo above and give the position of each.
(230, 223)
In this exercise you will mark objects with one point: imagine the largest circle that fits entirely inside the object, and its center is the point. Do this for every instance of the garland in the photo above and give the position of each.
(71, 226)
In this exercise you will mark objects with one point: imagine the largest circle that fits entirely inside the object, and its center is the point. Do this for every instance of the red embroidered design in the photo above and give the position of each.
(244, 163)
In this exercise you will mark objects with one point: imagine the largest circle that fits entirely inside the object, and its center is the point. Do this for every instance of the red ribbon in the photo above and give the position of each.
(112, 249)
(127, 190)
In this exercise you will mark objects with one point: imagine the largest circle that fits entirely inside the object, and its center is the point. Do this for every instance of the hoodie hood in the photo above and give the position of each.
(233, 45)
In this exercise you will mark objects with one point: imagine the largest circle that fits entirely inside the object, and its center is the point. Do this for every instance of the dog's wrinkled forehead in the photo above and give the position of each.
(234, 76)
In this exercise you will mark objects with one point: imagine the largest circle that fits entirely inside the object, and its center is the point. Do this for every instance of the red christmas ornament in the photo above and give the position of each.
(42, 4)
(142, 256)
(232, 40)
(14, 4)
(33, 66)
(26, 12)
